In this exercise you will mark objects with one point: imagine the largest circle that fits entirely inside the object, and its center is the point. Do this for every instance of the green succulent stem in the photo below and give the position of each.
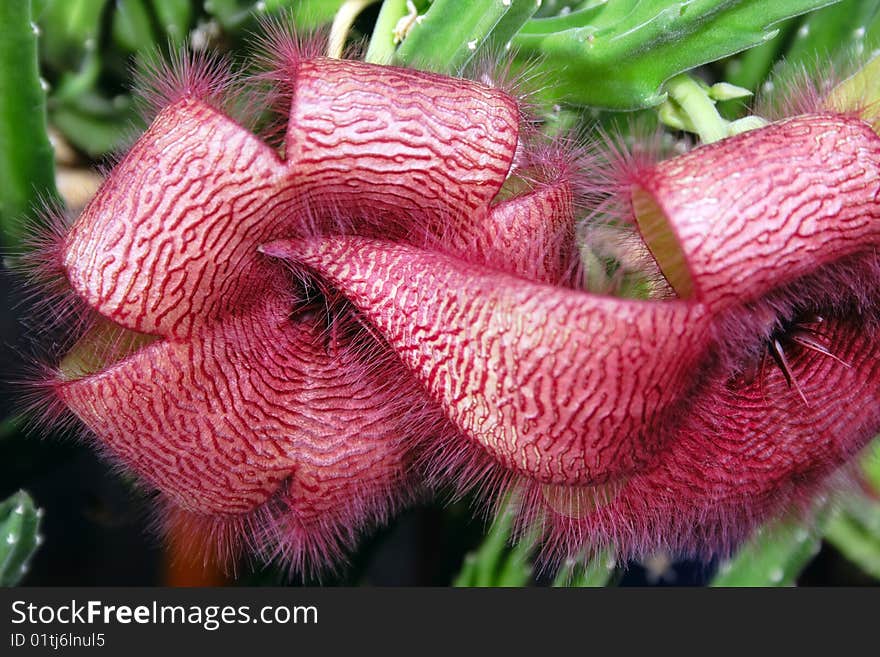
(617, 55)
(855, 533)
(592, 573)
(495, 562)
(845, 27)
(871, 465)
(19, 536)
(27, 169)
(382, 42)
(691, 107)
(775, 556)
(451, 32)
(750, 68)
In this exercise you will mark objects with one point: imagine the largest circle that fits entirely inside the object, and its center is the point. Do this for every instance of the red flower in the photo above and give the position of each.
(429, 325)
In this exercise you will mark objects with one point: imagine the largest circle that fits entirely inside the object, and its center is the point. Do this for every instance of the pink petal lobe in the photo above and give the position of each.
(564, 386)
(399, 140)
(223, 402)
(531, 235)
(744, 454)
(259, 410)
(730, 221)
(162, 246)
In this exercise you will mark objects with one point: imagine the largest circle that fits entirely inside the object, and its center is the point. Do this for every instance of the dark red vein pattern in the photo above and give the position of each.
(220, 422)
(399, 140)
(740, 456)
(531, 235)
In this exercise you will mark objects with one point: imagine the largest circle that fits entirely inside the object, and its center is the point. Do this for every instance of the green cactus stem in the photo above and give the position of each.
(19, 536)
(27, 170)
(450, 33)
(618, 54)
(775, 556)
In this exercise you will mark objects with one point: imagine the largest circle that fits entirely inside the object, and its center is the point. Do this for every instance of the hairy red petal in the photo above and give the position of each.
(169, 241)
(531, 235)
(564, 386)
(260, 407)
(244, 409)
(740, 457)
(254, 410)
(165, 243)
(748, 214)
(398, 140)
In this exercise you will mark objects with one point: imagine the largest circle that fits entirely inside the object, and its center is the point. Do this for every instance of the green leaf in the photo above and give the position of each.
(774, 556)
(553, 7)
(871, 465)
(854, 529)
(70, 30)
(595, 572)
(231, 14)
(855, 532)
(751, 68)
(839, 28)
(132, 29)
(176, 17)
(306, 14)
(501, 38)
(19, 536)
(495, 563)
(96, 125)
(618, 54)
(27, 170)
(447, 37)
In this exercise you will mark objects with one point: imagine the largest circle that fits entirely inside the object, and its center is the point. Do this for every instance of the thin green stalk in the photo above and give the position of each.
(382, 43)
(342, 22)
(855, 541)
(495, 562)
(176, 16)
(698, 107)
(27, 169)
(775, 556)
(871, 464)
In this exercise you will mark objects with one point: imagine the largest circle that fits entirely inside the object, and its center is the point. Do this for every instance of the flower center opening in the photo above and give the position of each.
(662, 242)
(804, 331)
(103, 345)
